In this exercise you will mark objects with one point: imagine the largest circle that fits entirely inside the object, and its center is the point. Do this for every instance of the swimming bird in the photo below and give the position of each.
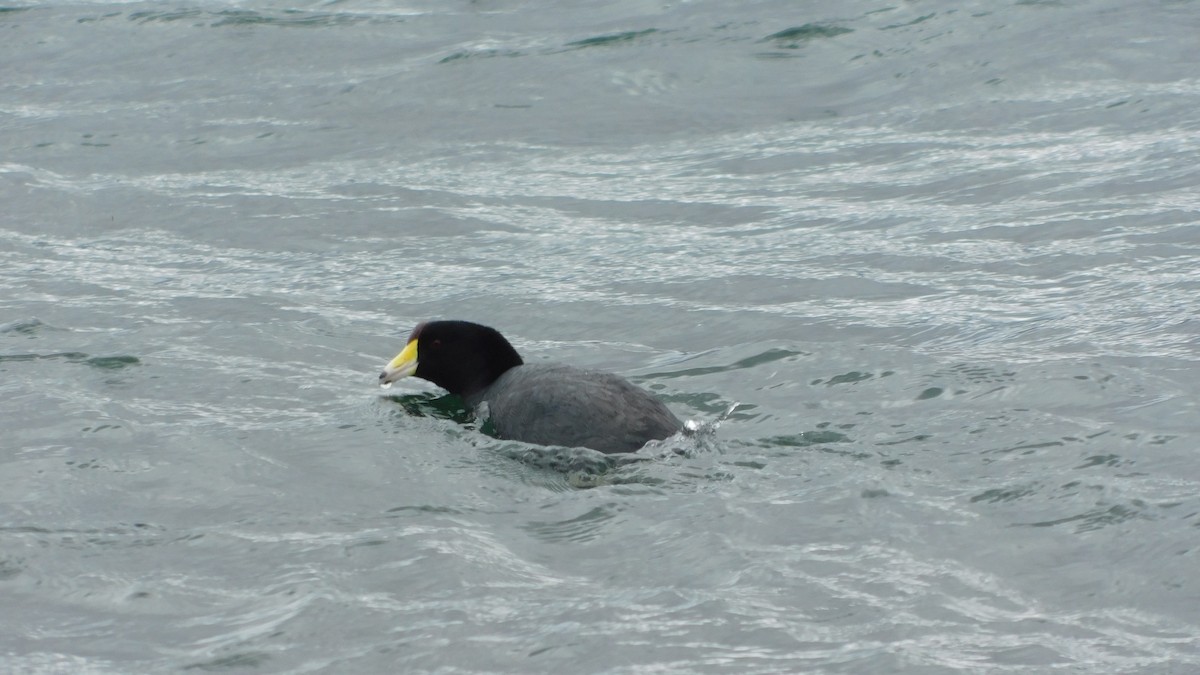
(544, 404)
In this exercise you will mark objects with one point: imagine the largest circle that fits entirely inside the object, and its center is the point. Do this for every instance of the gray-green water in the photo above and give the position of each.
(943, 256)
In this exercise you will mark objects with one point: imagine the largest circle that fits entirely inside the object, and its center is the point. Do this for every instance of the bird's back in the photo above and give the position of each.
(562, 405)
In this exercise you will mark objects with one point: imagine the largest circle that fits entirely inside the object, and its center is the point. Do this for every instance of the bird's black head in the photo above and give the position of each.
(461, 357)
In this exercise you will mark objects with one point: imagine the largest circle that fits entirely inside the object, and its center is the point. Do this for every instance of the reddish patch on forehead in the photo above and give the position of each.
(416, 332)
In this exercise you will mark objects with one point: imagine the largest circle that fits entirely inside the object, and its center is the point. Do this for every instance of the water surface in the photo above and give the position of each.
(924, 273)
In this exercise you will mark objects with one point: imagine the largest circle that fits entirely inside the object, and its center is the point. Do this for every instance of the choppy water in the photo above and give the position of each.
(941, 260)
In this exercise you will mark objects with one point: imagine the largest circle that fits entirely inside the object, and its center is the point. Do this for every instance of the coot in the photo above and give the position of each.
(543, 404)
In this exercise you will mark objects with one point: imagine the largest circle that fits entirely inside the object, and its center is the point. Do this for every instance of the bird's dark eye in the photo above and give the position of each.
(436, 344)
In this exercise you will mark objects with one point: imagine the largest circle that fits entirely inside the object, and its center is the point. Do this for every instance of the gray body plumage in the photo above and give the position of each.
(561, 405)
